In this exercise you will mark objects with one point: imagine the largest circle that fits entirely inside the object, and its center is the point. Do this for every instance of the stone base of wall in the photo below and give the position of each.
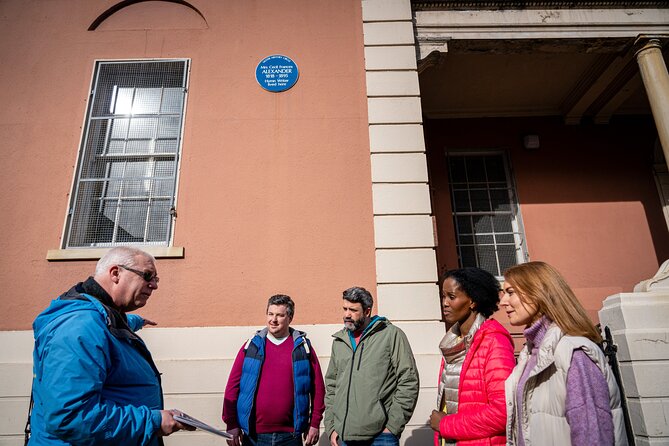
(195, 363)
(639, 324)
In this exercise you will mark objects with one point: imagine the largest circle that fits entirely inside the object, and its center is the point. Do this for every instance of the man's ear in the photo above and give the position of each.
(114, 274)
(368, 312)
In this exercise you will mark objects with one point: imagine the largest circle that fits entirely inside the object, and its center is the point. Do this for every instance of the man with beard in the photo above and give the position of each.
(372, 380)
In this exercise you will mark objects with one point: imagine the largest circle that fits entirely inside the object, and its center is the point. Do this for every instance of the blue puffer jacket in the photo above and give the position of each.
(302, 379)
(92, 387)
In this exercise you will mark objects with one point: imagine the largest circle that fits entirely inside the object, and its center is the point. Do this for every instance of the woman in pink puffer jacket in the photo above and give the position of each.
(477, 358)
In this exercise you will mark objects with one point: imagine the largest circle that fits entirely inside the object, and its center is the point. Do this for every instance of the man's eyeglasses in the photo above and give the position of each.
(146, 275)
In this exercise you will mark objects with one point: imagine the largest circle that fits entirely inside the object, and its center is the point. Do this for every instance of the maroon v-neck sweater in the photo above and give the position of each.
(275, 395)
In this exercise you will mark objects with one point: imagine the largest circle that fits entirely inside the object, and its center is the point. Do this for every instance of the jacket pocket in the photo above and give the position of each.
(367, 419)
(378, 418)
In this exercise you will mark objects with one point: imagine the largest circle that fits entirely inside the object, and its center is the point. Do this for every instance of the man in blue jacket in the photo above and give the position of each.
(94, 381)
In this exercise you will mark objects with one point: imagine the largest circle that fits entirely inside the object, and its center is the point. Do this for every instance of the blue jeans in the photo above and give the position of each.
(383, 439)
(274, 439)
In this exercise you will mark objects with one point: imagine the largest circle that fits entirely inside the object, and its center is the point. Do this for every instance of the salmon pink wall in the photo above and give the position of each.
(274, 189)
(587, 196)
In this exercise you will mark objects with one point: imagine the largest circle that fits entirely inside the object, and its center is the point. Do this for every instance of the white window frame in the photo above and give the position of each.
(518, 231)
(159, 248)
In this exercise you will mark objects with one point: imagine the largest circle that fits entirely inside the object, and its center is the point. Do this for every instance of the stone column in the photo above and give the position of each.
(656, 81)
(406, 266)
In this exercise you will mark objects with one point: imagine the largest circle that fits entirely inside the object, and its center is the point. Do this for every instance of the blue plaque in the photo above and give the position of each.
(276, 73)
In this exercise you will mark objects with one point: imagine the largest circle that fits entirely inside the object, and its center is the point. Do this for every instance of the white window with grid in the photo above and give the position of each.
(124, 190)
(486, 216)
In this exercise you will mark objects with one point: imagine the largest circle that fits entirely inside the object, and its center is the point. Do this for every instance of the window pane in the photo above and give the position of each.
(135, 188)
(173, 99)
(147, 101)
(476, 169)
(163, 168)
(463, 225)
(461, 201)
(163, 188)
(482, 223)
(456, 170)
(142, 128)
(495, 169)
(91, 215)
(109, 209)
(121, 104)
(159, 221)
(467, 256)
(138, 146)
(169, 128)
(119, 127)
(487, 259)
(131, 221)
(504, 238)
(480, 201)
(502, 223)
(113, 187)
(507, 256)
(466, 240)
(500, 200)
(167, 146)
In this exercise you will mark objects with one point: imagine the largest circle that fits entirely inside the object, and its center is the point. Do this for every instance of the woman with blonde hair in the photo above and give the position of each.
(562, 391)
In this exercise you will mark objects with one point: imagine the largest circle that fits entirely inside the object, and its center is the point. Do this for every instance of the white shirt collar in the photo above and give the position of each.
(276, 341)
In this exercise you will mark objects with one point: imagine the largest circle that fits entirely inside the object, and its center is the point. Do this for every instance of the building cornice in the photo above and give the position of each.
(532, 4)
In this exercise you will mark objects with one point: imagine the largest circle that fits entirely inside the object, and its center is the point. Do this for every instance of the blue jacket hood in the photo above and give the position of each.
(59, 307)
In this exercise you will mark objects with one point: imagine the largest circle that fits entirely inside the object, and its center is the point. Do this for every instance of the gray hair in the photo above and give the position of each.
(121, 255)
(282, 299)
(358, 294)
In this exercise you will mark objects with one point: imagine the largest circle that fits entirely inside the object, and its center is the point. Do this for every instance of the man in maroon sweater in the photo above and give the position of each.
(275, 391)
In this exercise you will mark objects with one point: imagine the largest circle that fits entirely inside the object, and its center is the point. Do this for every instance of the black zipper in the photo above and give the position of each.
(362, 348)
(348, 393)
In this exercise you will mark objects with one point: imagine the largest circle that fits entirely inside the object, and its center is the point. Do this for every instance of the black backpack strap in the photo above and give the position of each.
(26, 431)
(610, 351)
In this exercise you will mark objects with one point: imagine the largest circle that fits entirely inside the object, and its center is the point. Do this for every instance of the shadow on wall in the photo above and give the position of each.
(423, 436)
(602, 173)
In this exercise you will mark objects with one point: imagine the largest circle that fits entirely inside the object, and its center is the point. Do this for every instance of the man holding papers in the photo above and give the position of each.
(275, 391)
(95, 382)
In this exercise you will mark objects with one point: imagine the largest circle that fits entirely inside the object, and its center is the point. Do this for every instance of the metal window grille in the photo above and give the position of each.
(126, 178)
(486, 216)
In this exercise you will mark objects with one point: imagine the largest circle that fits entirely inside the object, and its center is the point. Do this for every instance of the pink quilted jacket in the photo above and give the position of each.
(481, 417)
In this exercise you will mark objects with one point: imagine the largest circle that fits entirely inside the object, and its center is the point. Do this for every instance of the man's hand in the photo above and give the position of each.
(333, 438)
(148, 322)
(312, 436)
(435, 419)
(236, 437)
(168, 425)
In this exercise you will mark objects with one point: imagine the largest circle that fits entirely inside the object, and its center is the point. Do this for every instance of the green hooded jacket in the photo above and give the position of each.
(372, 386)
